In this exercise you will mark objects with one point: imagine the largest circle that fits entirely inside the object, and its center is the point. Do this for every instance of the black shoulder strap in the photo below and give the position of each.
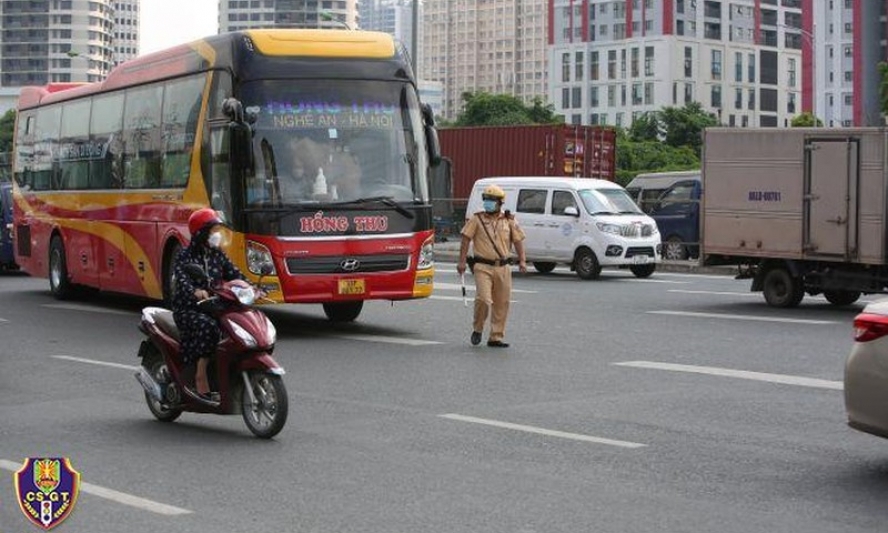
(492, 242)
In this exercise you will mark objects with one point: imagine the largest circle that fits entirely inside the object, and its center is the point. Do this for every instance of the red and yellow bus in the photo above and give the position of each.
(106, 174)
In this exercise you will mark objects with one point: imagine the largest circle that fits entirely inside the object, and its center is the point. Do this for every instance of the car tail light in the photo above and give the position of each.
(869, 327)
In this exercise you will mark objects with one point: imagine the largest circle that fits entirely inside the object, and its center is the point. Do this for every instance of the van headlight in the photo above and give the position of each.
(608, 228)
(427, 255)
(258, 256)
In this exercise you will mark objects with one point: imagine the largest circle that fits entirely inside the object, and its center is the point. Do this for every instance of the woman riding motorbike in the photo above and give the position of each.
(199, 331)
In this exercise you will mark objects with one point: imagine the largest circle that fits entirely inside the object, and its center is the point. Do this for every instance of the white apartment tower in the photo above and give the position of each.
(743, 60)
(237, 15)
(126, 30)
(43, 41)
(494, 46)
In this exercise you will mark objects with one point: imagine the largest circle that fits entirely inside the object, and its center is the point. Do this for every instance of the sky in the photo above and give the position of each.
(166, 23)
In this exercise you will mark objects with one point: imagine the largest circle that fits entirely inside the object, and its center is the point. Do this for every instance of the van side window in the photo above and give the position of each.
(531, 201)
(648, 200)
(562, 200)
(680, 192)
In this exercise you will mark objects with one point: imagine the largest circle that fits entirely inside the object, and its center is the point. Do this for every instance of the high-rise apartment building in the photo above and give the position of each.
(750, 62)
(126, 30)
(44, 41)
(495, 46)
(243, 14)
(394, 17)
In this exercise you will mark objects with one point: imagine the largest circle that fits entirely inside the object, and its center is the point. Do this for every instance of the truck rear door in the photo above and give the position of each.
(832, 175)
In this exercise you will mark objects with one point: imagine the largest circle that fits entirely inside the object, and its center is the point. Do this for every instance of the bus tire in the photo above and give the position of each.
(59, 284)
(343, 311)
(169, 273)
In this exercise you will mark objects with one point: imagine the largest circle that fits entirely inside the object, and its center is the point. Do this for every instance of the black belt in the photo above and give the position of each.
(493, 262)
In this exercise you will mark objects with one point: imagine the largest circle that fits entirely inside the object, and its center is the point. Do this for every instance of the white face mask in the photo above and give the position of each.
(214, 240)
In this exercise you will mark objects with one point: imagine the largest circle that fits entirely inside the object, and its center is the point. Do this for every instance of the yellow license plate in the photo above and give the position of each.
(351, 286)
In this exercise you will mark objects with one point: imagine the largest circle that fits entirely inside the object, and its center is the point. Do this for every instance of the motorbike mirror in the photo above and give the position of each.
(196, 273)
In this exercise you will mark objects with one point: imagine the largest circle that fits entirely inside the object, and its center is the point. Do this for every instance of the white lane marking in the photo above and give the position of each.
(90, 308)
(3, 320)
(716, 293)
(93, 362)
(727, 316)
(543, 431)
(470, 286)
(636, 280)
(739, 374)
(470, 298)
(383, 338)
(113, 495)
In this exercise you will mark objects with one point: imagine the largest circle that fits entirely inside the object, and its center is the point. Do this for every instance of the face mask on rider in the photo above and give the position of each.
(214, 240)
(490, 206)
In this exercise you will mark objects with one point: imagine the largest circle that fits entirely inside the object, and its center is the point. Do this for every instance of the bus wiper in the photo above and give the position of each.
(387, 200)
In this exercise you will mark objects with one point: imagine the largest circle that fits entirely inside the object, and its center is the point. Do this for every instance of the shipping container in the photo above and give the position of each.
(556, 150)
(800, 210)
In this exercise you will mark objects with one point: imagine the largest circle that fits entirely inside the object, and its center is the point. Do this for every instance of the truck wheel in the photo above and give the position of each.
(781, 289)
(643, 271)
(586, 264)
(343, 311)
(59, 284)
(543, 268)
(841, 297)
(674, 249)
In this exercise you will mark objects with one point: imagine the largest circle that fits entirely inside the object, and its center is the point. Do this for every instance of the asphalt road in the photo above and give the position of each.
(678, 403)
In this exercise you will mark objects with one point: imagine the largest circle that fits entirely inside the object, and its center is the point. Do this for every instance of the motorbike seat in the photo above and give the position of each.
(166, 323)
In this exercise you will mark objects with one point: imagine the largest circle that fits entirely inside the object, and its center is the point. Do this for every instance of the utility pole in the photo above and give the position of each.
(414, 40)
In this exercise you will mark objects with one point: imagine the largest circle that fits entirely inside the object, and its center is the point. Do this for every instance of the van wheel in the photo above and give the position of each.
(586, 264)
(543, 268)
(59, 284)
(643, 271)
(674, 249)
(781, 289)
(841, 297)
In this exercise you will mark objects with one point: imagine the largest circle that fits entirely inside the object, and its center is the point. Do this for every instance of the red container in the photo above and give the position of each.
(538, 150)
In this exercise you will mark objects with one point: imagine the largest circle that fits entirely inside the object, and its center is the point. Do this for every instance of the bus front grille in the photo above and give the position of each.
(346, 264)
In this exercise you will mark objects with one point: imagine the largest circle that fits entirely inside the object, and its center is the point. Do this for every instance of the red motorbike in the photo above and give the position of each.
(248, 379)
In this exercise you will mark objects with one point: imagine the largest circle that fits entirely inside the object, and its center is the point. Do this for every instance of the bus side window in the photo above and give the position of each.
(74, 150)
(106, 124)
(24, 150)
(181, 109)
(141, 137)
(219, 186)
(46, 147)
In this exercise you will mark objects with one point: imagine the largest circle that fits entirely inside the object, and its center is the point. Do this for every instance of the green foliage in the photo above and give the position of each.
(636, 157)
(683, 126)
(805, 120)
(646, 127)
(7, 129)
(883, 87)
(485, 109)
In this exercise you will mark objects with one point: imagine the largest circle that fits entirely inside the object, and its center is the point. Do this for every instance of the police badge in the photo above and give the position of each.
(47, 490)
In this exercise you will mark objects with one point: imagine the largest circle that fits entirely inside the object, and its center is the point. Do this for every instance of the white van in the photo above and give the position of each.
(582, 222)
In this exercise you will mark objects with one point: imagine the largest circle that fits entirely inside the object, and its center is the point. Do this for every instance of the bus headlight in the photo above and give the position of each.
(426, 255)
(258, 256)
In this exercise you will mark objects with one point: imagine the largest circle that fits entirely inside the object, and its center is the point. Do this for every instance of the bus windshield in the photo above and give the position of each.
(334, 143)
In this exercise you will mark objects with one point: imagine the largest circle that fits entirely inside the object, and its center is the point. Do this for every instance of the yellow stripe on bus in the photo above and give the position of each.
(324, 43)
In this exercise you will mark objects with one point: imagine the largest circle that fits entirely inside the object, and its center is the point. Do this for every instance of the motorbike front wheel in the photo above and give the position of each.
(265, 418)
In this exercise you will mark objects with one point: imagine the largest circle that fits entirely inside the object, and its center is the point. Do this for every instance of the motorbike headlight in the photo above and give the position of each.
(259, 257)
(609, 228)
(272, 331)
(244, 295)
(244, 335)
(427, 255)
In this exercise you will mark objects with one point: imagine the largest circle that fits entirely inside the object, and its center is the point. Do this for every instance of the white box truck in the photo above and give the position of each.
(799, 210)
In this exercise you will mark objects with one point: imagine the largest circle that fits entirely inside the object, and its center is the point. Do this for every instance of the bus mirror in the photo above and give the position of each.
(431, 134)
(233, 109)
(241, 136)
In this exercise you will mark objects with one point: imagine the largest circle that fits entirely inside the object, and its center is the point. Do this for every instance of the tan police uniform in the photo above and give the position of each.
(493, 276)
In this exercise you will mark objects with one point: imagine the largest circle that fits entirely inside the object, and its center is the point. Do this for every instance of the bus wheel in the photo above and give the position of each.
(343, 311)
(169, 274)
(59, 284)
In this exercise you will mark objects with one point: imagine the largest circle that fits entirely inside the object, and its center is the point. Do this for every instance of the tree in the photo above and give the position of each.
(683, 126)
(485, 109)
(883, 87)
(646, 127)
(805, 120)
(7, 126)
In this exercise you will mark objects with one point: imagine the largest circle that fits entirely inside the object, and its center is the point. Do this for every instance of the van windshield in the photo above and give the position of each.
(608, 201)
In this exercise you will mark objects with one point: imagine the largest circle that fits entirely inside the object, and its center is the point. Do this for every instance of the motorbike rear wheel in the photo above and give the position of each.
(155, 366)
(267, 417)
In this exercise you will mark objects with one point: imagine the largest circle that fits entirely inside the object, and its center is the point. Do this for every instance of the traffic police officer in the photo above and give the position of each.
(492, 234)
